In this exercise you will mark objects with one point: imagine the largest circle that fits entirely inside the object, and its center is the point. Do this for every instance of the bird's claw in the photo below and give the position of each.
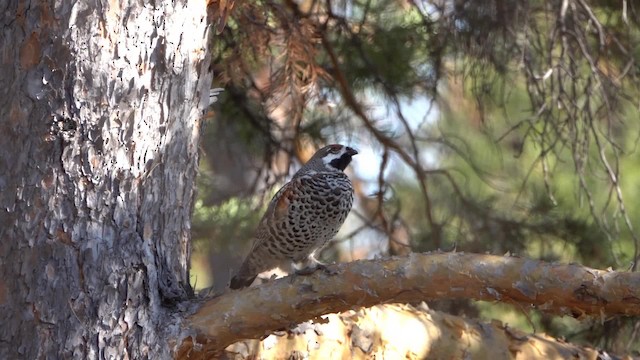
(307, 270)
(319, 266)
(329, 270)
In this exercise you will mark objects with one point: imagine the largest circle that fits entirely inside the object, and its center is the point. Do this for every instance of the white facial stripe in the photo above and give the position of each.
(330, 157)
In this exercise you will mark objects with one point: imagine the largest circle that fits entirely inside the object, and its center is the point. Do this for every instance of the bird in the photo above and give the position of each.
(302, 217)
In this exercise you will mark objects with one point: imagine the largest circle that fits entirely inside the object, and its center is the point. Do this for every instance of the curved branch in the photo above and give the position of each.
(567, 289)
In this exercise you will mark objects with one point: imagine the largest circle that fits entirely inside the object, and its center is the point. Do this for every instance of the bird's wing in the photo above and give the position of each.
(278, 209)
(284, 198)
(281, 203)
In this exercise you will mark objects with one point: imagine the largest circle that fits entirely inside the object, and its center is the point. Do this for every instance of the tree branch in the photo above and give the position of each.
(401, 331)
(565, 289)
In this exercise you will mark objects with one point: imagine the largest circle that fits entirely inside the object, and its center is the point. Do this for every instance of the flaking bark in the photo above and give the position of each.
(100, 106)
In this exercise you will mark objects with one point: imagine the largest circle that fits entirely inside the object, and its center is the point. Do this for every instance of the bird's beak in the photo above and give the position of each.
(351, 151)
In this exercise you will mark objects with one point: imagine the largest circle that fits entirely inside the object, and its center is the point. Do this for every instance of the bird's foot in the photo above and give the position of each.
(306, 271)
(318, 266)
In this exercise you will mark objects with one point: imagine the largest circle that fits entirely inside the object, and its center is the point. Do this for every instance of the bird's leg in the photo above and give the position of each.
(308, 266)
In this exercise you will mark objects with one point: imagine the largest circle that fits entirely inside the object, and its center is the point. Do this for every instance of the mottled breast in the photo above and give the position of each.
(310, 212)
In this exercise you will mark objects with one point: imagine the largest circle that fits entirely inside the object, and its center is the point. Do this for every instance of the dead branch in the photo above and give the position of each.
(564, 289)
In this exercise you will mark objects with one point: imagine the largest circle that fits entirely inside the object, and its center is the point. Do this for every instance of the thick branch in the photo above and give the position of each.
(401, 331)
(567, 289)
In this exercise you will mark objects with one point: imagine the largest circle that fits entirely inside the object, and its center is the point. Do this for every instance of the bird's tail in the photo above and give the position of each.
(239, 282)
(244, 277)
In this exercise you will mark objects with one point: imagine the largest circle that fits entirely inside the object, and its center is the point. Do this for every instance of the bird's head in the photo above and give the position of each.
(334, 157)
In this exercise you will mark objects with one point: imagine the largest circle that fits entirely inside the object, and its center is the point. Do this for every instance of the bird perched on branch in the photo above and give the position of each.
(303, 216)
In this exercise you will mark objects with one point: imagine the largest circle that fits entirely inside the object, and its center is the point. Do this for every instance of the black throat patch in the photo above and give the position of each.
(342, 162)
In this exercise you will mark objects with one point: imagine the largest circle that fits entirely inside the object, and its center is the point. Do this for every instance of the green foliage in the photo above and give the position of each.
(234, 219)
(389, 49)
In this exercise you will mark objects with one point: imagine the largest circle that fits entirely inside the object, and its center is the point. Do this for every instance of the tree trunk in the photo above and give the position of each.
(100, 111)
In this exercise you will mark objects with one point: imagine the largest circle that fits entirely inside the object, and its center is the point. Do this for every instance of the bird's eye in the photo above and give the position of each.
(335, 150)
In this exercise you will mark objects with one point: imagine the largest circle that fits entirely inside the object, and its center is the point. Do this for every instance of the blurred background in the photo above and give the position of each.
(483, 126)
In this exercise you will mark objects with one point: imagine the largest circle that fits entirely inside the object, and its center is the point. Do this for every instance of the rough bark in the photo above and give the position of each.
(100, 106)
(564, 289)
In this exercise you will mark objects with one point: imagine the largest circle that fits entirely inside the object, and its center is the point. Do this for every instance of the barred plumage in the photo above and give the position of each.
(303, 216)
